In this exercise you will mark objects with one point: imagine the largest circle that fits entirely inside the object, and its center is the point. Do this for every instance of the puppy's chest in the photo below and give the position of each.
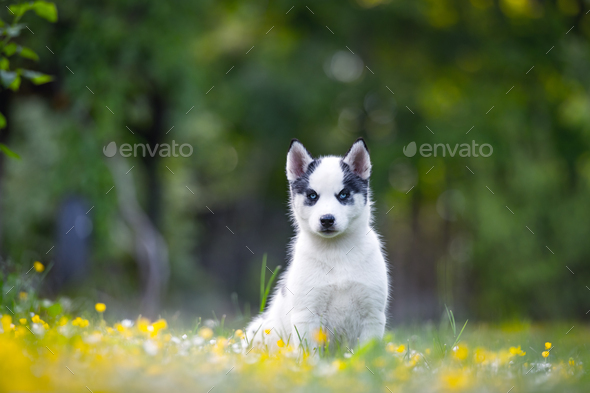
(337, 295)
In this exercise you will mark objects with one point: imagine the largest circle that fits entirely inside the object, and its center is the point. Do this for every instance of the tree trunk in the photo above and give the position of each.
(151, 252)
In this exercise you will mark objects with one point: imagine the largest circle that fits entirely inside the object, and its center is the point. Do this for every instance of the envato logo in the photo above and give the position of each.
(143, 150)
(464, 150)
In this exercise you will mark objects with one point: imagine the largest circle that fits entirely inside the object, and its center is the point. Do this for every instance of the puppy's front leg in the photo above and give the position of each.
(373, 327)
(305, 323)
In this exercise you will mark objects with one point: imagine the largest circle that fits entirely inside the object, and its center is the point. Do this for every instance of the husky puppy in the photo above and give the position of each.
(337, 278)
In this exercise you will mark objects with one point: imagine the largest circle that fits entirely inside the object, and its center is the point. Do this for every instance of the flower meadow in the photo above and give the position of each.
(68, 346)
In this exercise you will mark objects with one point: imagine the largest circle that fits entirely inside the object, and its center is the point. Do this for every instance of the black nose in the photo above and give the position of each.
(327, 220)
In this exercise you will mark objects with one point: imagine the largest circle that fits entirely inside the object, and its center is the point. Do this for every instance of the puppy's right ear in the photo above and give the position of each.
(298, 159)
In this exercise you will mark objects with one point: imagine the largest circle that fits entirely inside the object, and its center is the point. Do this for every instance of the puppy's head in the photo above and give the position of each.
(328, 193)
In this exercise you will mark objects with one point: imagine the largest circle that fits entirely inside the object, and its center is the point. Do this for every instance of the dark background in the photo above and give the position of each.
(152, 245)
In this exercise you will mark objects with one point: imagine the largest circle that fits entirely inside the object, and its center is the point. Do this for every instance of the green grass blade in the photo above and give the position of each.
(460, 333)
(197, 325)
(298, 335)
(262, 280)
(437, 344)
(451, 320)
(253, 336)
(268, 286)
(300, 339)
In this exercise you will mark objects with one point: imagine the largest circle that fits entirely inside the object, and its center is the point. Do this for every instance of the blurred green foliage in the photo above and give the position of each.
(11, 79)
(238, 80)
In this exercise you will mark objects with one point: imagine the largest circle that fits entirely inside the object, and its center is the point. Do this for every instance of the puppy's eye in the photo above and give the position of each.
(343, 195)
(313, 196)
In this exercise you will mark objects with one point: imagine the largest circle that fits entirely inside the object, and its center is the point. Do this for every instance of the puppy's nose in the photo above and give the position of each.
(327, 220)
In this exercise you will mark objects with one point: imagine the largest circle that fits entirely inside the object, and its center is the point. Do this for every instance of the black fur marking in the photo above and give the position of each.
(297, 140)
(355, 142)
(301, 185)
(353, 184)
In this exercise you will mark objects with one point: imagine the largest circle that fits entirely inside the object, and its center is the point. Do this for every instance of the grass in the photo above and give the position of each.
(264, 291)
(61, 347)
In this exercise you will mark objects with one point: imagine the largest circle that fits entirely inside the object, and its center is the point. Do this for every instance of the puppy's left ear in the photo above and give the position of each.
(358, 159)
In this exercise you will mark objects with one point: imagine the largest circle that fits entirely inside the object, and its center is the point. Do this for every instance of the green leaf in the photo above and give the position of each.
(7, 77)
(37, 78)
(4, 63)
(28, 53)
(10, 49)
(2, 121)
(54, 310)
(46, 10)
(19, 9)
(8, 152)
(41, 79)
(15, 83)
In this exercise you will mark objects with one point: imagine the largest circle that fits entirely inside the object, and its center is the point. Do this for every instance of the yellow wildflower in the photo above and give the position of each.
(23, 321)
(547, 345)
(80, 322)
(545, 354)
(206, 333)
(38, 266)
(281, 343)
(160, 324)
(22, 295)
(401, 348)
(517, 351)
(338, 365)
(320, 336)
(100, 307)
(221, 342)
(6, 321)
(460, 352)
(143, 324)
(572, 362)
(267, 331)
(479, 355)
(21, 331)
(239, 333)
(63, 321)
(36, 319)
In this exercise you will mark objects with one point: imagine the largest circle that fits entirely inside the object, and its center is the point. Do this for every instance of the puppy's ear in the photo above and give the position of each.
(298, 159)
(358, 159)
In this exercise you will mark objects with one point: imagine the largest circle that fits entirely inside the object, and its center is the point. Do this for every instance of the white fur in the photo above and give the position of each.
(339, 280)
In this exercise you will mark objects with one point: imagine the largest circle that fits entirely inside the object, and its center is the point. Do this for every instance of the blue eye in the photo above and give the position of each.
(343, 195)
(312, 196)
